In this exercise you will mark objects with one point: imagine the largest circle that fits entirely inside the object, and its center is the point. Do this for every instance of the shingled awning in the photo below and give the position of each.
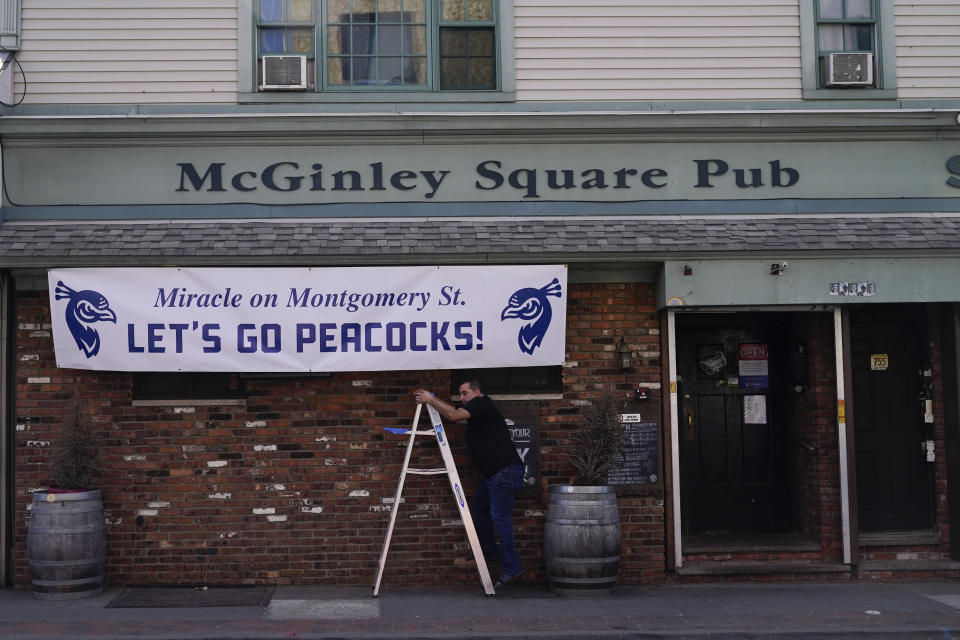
(468, 240)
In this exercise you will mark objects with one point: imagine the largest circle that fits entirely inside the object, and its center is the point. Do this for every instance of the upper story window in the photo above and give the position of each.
(846, 27)
(848, 49)
(286, 26)
(378, 45)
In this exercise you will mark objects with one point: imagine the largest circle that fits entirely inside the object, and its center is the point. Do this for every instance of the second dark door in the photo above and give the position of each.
(894, 490)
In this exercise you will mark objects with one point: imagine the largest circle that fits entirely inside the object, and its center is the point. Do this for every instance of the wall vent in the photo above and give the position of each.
(284, 72)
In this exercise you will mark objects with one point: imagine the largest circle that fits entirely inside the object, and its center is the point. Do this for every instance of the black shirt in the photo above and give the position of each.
(488, 438)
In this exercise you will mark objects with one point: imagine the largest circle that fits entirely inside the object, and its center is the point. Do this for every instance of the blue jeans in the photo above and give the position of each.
(492, 508)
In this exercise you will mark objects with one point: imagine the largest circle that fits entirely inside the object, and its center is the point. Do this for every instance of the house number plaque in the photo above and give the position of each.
(879, 362)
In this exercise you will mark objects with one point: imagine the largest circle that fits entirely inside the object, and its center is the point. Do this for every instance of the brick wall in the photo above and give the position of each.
(939, 432)
(815, 456)
(597, 315)
(294, 485)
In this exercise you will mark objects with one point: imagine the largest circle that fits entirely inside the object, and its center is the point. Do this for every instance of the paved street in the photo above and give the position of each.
(928, 610)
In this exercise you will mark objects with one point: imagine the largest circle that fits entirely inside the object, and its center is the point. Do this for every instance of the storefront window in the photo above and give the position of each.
(186, 386)
(510, 380)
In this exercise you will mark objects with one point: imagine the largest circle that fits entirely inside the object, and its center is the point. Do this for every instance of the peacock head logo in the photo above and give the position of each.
(84, 309)
(531, 304)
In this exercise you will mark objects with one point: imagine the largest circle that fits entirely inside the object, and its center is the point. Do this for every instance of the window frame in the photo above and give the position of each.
(552, 374)
(248, 60)
(145, 389)
(884, 54)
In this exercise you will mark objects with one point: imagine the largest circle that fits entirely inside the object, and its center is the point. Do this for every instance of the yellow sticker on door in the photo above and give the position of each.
(879, 362)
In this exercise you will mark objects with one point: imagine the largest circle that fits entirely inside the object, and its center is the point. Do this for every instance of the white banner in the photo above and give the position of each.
(308, 319)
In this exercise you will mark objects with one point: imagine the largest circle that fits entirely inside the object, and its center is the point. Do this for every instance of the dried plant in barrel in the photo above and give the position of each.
(75, 465)
(598, 441)
(582, 538)
(66, 538)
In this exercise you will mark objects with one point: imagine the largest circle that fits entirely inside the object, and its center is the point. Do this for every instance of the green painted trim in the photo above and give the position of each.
(587, 273)
(886, 57)
(843, 94)
(739, 208)
(807, 280)
(506, 51)
(461, 123)
(389, 97)
(246, 50)
(431, 103)
(418, 123)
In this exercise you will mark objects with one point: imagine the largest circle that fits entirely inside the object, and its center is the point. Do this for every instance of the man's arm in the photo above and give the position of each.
(446, 410)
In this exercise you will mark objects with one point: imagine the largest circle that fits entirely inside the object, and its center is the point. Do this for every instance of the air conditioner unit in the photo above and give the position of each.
(847, 70)
(284, 72)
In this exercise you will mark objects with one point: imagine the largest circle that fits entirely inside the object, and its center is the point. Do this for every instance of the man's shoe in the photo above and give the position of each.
(507, 578)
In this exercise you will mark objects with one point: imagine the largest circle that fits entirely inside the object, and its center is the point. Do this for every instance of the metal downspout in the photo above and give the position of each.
(674, 438)
(842, 436)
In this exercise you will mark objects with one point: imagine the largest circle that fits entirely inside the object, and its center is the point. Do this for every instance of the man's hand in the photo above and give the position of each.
(448, 411)
(422, 396)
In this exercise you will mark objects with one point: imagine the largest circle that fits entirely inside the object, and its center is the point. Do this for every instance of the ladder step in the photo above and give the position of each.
(450, 470)
(403, 432)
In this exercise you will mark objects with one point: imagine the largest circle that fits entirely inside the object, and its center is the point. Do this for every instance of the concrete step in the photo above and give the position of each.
(747, 568)
(909, 565)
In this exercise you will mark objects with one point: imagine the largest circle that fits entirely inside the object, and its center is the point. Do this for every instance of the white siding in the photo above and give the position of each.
(652, 50)
(185, 51)
(928, 49)
(129, 51)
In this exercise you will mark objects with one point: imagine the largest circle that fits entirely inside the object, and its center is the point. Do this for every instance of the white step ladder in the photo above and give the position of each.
(450, 469)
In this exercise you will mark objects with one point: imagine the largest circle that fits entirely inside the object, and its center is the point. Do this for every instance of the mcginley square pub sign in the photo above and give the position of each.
(310, 174)
(488, 175)
(760, 175)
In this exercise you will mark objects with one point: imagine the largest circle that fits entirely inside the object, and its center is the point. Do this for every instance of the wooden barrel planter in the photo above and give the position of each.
(582, 539)
(67, 545)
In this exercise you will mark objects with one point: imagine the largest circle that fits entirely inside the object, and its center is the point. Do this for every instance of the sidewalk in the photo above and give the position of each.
(927, 610)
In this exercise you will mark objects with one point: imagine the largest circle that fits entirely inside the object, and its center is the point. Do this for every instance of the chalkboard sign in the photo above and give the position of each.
(523, 419)
(641, 453)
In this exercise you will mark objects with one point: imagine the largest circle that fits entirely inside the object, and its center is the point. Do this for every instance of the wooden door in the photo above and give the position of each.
(732, 441)
(894, 478)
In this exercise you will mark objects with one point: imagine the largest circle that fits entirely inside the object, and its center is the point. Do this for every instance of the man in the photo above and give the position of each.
(500, 472)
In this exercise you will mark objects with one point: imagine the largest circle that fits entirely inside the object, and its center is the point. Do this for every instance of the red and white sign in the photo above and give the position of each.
(754, 365)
